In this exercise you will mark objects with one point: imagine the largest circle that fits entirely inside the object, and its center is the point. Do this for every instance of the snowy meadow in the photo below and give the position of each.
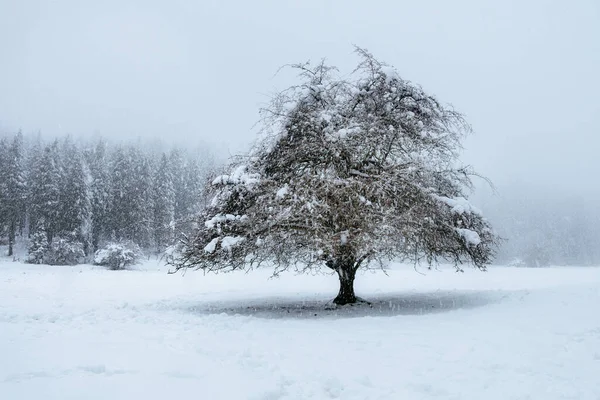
(87, 332)
(300, 200)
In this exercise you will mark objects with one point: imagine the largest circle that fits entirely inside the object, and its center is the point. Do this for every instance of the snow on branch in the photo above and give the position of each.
(458, 205)
(348, 171)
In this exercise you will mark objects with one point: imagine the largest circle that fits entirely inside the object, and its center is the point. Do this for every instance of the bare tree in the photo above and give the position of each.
(346, 174)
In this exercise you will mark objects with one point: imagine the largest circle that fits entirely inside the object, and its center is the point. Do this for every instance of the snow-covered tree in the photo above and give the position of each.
(64, 251)
(34, 154)
(140, 196)
(3, 190)
(130, 211)
(348, 173)
(119, 210)
(44, 191)
(177, 172)
(164, 204)
(38, 244)
(13, 190)
(100, 191)
(74, 204)
(197, 171)
(93, 193)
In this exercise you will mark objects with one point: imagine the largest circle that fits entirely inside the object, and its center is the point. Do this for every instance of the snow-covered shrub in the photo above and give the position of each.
(64, 251)
(38, 246)
(118, 255)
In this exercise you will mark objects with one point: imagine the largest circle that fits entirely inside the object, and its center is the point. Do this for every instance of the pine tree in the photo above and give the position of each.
(14, 190)
(4, 146)
(99, 188)
(38, 244)
(34, 155)
(119, 211)
(176, 169)
(74, 203)
(164, 205)
(140, 200)
(193, 194)
(94, 195)
(44, 191)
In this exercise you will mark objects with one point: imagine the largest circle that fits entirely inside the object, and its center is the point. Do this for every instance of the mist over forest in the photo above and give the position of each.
(81, 194)
(523, 74)
(148, 192)
(541, 227)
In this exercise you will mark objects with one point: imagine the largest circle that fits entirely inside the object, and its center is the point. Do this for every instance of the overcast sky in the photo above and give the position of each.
(525, 73)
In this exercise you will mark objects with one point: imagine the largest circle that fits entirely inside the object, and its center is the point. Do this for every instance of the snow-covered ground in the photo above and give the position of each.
(87, 333)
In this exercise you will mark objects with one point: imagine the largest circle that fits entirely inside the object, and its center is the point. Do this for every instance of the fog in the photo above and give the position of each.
(525, 74)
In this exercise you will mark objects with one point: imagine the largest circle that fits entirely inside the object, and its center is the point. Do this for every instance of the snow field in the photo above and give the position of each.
(84, 332)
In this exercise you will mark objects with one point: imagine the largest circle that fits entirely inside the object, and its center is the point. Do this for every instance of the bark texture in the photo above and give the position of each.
(346, 273)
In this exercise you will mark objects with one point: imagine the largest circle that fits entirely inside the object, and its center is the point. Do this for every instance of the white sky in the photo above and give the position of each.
(526, 73)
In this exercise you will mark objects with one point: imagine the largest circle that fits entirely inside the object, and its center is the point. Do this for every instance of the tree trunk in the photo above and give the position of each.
(11, 238)
(346, 273)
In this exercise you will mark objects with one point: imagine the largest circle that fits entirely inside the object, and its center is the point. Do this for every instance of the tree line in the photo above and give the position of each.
(544, 227)
(91, 193)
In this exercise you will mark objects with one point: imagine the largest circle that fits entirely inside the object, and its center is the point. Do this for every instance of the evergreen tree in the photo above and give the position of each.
(14, 190)
(193, 194)
(176, 169)
(4, 145)
(100, 188)
(38, 244)
(66, 191)
(44, 191)
(118, 218)
(74, 203)
(164, 205)
(140, 200)
(35, 153)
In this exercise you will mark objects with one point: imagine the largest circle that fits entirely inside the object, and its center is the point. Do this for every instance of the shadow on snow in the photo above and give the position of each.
(384, 305)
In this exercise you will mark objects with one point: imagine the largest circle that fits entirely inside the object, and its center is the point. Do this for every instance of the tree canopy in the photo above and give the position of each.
(346, 173)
